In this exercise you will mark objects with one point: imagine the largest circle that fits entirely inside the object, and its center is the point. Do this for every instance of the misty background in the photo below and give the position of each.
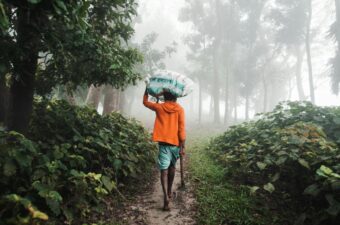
(244, 56)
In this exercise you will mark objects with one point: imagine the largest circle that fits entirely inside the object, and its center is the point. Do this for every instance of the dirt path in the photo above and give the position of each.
(147, 210)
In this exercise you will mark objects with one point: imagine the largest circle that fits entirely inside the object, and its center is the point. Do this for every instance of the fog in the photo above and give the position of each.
(245, 55)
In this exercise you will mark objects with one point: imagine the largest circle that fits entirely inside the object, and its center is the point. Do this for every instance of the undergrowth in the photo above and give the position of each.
(72, 159)
(290, 158)
(218, 201)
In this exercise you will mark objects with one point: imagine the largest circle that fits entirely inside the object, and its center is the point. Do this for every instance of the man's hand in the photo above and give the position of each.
(181, 151)
(182, 148)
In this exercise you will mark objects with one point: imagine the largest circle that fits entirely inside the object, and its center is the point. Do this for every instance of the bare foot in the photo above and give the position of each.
(166, 205)
(172, 195)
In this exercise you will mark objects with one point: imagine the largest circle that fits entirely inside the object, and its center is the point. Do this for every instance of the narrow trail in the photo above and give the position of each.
(147, 210)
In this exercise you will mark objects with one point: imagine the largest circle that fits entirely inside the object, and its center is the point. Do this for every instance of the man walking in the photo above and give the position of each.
(169, 132)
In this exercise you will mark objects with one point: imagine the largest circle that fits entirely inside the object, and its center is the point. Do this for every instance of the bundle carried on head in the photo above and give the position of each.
(163, 80)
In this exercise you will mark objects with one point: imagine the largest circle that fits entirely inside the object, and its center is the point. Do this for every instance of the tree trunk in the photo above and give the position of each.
(308, 50)
(4, 92)
(336, 60)
(290, 90)
(93, 96)
(226, 98)
(217, 44)
(247, 108)
(130, 104)
(235, 107)
(211, 109)
(22, 84)
(110, 100)
(118, 100)
(122, 101)
(128, 98)
(265, 94)
(337, 11)
(200, 101)
(299, 59)
(216, 92)
(192, 106)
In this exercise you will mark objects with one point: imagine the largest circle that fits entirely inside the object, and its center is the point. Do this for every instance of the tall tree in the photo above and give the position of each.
(298, 70)
(216, 60)
(63, 42)
(335, 31)
(291, 18)
(308, 50)
(199, 44)
(254, 12)
(205, 43)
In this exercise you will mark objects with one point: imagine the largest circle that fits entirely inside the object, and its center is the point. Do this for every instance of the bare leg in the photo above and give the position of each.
(164, 175)
(171, 177)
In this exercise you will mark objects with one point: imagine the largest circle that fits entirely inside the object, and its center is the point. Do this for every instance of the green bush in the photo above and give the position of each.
(72, 159)
(292, 155)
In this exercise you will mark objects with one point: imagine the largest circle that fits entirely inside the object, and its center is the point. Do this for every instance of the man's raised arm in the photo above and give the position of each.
(151, 105)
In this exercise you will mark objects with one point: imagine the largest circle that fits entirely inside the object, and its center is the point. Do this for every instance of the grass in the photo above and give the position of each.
(218, 201)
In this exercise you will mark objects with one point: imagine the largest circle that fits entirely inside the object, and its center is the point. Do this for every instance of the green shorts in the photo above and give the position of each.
(168, 155)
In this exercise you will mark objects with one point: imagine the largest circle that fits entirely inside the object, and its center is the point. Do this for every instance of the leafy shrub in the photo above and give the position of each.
(74, 157)
(293, 153)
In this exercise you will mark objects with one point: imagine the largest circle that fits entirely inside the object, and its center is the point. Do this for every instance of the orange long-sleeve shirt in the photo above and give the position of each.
(169, 123)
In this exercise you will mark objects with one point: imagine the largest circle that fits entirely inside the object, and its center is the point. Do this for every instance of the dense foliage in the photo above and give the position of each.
(49, 43)
(292, 153)
(78, 37)
(72, 159)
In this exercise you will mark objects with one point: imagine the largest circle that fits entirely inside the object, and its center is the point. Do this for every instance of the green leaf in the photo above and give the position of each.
(281, 160)
(100, 190)
(4, 25)
(312, 190)
(58, 154)
(75, 173)
(280, 153)
(304, 163)
(55, 196)
(34, 1)
(295, 140)
(261, 165)
(324, 171)
(9, 168)
(108, 184)
(54, 206)
(275, 177)
(36, 214)
(94, 176)
(254, 189)
(117, 164)
(269, 187)
(61, 5)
